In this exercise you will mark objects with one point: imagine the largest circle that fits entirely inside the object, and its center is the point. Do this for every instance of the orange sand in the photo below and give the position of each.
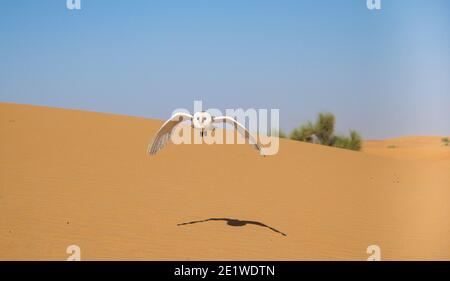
(75, 177)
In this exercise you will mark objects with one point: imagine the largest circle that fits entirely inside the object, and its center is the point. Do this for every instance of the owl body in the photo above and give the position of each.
(203, 121)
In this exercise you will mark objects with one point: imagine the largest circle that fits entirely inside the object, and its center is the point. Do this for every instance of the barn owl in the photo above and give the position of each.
(202, 121)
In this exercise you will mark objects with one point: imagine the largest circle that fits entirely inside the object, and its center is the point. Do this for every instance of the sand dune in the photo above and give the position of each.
(75, 177)
(421, 148)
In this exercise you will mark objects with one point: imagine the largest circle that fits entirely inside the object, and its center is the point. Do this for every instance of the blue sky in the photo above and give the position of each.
(385, 73)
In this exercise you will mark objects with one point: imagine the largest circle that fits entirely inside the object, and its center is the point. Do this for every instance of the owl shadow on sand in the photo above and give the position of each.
(234, 223)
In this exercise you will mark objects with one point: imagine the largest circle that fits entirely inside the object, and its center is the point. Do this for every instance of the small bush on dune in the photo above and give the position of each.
(446, 141)
(353, 142)
(322, 132)
(324, 128)
(304, 133)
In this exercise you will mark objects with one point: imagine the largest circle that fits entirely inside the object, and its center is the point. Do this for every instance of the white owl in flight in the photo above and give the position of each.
(202, 121)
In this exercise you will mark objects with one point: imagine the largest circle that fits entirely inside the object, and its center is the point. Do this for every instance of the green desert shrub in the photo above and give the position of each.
(322, 132)
(445, 141)
(303, 133)
(324, 128)
(353, 142)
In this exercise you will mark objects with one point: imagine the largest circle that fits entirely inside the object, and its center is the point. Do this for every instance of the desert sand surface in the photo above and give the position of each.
(77, 177)
(412, 148)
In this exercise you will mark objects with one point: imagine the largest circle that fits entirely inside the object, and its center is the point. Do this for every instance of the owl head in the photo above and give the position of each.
(202, 120)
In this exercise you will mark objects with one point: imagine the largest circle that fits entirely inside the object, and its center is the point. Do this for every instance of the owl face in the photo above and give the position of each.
(202, 120)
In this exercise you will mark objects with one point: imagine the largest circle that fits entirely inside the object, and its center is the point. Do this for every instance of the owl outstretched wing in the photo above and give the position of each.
(163, 135)
(242, 130)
